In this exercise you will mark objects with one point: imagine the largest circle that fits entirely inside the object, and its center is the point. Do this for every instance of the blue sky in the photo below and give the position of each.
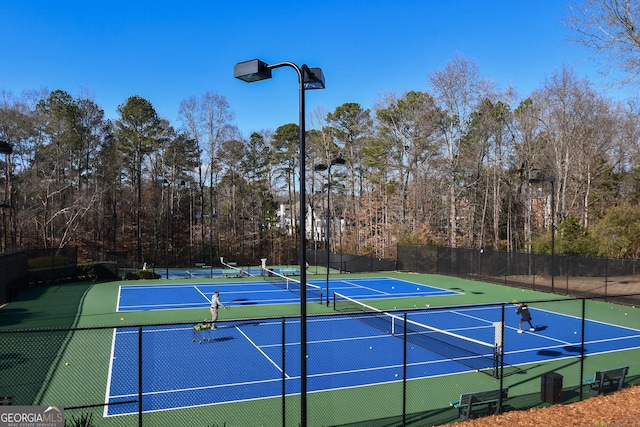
(168, 51)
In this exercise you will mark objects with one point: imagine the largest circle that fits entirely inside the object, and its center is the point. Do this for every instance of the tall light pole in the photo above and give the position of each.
(308, 78)
(166, 184)
(551, 179)
(322, 167)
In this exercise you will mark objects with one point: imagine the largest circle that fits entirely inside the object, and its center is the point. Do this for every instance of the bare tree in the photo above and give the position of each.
(577, 133)
(458, 90)
(208, 120)
(406, 135)
(609, 28)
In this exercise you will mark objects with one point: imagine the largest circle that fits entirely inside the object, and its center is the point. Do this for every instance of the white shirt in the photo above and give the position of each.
(215, 302)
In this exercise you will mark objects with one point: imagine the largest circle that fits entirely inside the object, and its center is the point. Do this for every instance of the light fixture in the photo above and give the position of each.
(308, 78)
(5, 147)
(338, 161)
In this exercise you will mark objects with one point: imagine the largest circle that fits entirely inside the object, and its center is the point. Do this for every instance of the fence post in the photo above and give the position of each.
(140, 376)
(566, 271)
(284, 374)
(606, 277)
(535, 271)
(404, 372)
(582, 347)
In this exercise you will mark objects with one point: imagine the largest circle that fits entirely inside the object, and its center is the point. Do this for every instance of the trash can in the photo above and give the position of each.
(551, 387)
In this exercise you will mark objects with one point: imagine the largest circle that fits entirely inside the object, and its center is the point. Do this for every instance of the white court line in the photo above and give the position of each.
(562, 343)
(166, 306)
(267, 381)
(118, 300)
(365, 287)
(395, 279)
(160, 392)
(143, 307)
(110, 374)
(201, 293)
(208, 387)
(321, 374)
(260, 350)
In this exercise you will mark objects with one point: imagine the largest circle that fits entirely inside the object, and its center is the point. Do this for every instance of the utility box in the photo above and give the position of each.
(551, 387)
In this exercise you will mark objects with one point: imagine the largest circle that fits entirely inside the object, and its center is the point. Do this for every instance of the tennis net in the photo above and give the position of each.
(314, 293)
(470, 352)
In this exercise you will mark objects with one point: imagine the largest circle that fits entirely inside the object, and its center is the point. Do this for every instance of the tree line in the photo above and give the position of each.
(463, 163)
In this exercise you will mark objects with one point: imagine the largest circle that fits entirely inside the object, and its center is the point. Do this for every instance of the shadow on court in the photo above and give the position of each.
(244, 301)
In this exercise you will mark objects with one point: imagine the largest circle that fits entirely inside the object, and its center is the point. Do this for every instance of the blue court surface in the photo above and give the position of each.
(238, 293)
(244, 360)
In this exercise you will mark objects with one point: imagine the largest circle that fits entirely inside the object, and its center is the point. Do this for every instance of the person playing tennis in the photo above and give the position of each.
(215, 304)
(525, 316)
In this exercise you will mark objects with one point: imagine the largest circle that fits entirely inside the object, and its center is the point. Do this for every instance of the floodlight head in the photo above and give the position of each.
(5, 148)
(320, 167)
(252, 70)
(338, 161)
(313, 78)
(550, 179)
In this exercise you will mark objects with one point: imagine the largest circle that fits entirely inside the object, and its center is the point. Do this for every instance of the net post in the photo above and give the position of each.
(497, 347)
(500, 376)
(404, 371)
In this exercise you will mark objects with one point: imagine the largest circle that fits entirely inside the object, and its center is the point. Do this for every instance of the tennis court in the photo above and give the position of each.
(270, 291)
(246, 360)
(207, 272)
(147, 355)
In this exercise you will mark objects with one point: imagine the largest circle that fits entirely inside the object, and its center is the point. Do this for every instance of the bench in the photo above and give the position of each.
(610, 379)
(289, 271)
(469, 400)
(230, 272)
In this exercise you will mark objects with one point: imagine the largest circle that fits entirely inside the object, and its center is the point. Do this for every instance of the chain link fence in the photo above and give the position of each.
(349, 263)
(13, 275)
(364, 368)
(614, 280)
